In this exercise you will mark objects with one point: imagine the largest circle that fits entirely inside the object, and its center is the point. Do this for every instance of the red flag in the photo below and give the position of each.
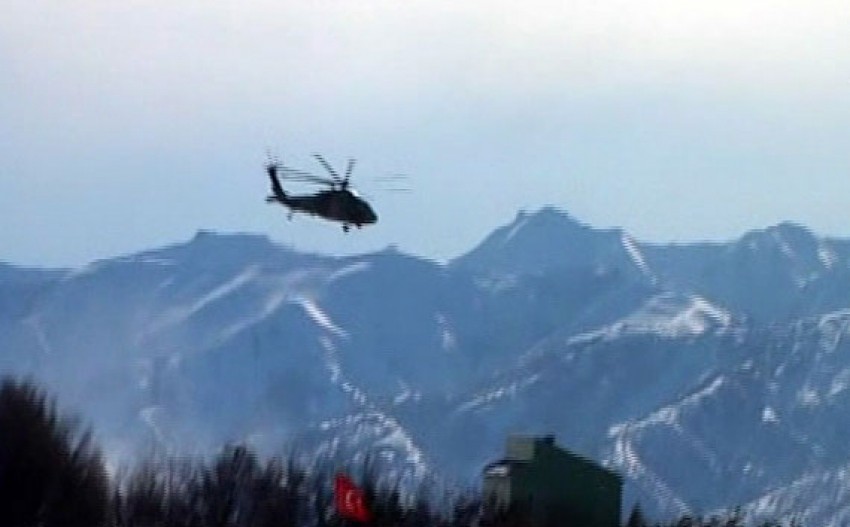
(350, 501)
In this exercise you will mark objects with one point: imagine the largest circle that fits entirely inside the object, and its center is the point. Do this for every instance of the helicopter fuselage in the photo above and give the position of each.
(335, 205)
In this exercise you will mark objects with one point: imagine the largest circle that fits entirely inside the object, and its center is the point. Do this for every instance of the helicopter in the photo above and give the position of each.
(339, 202)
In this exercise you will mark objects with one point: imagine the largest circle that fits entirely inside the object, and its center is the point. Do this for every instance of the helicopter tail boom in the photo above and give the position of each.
(278, 194)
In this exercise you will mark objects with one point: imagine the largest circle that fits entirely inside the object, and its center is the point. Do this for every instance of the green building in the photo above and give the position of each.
(555, 486)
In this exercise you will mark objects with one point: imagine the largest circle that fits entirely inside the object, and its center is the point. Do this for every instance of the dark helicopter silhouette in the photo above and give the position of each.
(338, 203)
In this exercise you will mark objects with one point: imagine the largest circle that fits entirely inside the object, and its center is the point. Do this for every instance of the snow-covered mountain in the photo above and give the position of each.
(711, 375)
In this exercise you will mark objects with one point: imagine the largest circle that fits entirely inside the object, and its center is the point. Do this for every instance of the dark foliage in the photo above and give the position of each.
(734, 519)
(636, 518)
(235, 490)
(52, 475)
(50, 472)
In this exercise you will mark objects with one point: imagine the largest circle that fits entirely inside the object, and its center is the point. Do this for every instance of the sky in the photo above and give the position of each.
(129, 125)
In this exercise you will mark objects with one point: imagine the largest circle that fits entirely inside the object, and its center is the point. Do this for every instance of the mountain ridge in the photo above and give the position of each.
(653, 349)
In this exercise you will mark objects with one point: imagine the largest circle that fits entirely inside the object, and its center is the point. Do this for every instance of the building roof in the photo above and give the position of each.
(502, 467)
(526, 447)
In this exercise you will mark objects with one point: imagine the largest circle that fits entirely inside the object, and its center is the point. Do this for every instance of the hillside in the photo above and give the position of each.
(711, 375)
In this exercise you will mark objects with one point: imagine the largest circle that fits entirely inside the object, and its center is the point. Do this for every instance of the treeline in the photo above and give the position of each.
(53, 475)
(734, 519)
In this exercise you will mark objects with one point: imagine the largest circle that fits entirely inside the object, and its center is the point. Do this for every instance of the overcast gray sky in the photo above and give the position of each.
(125, 125)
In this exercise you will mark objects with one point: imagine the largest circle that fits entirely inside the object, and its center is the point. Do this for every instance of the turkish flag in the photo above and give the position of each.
(350, 501)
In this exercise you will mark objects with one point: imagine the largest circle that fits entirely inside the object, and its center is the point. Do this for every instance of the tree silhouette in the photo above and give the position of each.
(636, 518)
(51, 475)
(50, 472)
(233, 490)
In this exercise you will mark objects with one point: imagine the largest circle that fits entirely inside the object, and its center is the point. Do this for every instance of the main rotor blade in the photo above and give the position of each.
(310, 179)
(328, 167)
(295, 171)
(294, 174)
(350, 167)
(273, 159)
(392, 178)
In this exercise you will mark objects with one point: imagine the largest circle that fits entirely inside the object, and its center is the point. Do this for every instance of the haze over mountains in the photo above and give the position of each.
(710, 374)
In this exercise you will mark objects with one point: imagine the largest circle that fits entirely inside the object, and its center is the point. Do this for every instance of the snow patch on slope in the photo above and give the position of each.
(181, 313)
(827, 256)
(670, 315)
(635, 254)
(320, 317)
(625, 455)
(348, 270)
(272, 303)
(370, 432)
(820, 499)
(491, 396)
(448, 340)
(668, 415)
(522, 221)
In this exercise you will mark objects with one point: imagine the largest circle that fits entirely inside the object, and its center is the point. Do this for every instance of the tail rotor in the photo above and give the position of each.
(272, 166)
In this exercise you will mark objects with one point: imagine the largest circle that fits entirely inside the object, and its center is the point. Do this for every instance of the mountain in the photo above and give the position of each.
(775, 274)
(537, 243)
(710, 374)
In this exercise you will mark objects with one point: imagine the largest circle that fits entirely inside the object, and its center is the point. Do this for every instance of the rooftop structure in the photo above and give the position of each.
(555, 486)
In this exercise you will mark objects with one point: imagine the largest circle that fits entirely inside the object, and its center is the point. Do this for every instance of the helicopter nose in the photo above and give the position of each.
(364, 213)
